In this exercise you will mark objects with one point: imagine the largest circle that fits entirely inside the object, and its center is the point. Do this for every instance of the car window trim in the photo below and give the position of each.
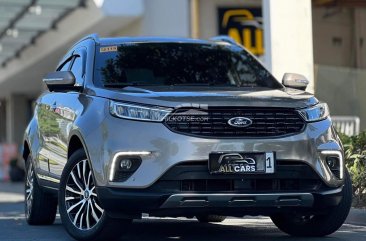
(69, 59)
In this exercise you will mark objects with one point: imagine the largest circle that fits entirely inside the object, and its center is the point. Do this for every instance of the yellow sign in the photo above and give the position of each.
(244, 26)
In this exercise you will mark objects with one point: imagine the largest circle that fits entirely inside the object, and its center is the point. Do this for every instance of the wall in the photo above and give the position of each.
(340, 36)
(343, 89)
(333, 41)
(340, 58)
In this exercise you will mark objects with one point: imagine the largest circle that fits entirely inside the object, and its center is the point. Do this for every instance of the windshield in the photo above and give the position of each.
(174, 64)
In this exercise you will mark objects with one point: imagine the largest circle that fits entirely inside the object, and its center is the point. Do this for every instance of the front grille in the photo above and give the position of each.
(251, 185)
(213, 122)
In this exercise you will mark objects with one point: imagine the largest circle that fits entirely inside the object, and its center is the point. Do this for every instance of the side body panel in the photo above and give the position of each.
(62, 117)
(56, 117)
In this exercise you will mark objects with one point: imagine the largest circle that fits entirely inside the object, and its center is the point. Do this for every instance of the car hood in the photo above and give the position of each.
(176, 96)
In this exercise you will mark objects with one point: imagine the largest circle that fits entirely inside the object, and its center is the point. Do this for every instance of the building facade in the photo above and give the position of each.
(36, 34)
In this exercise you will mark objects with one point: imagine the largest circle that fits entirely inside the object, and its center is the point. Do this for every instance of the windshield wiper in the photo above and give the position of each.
(201, 84)
(117, 85)
(124, 85)
(191, 84)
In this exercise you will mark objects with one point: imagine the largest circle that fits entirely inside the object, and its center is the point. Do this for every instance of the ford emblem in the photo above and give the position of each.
(240, 122)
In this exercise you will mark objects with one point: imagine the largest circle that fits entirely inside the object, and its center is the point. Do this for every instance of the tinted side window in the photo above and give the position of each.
(77, 70)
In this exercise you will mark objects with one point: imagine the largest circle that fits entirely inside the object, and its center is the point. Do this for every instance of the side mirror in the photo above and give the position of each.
(296, 81)
(60, 80)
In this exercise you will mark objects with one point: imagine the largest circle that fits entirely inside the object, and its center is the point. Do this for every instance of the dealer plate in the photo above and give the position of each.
(241, 162)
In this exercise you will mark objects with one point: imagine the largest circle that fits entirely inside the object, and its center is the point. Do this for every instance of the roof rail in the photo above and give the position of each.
(224, 38)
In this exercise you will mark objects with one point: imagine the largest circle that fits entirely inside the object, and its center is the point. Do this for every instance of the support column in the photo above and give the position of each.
(2, 121)
(194, 21)
(288, 38)
(17, 117)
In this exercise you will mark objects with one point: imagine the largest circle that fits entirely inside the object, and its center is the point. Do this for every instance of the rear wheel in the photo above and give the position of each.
(80, 209)
(317, 225)
(210, 218)
(40, 207)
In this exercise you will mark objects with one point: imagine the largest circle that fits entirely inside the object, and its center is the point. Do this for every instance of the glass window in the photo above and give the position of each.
(187, 64)
(65, 66)
(77, 69)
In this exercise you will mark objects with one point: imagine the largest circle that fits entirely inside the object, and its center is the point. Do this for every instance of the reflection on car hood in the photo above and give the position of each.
(176, 96)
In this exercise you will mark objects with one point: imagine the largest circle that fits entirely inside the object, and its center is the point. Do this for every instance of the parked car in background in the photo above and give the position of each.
(179, 127)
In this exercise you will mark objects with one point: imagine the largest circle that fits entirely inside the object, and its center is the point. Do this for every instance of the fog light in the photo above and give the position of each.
(125, 164)
(333, 164)
(126, 167)
(334, 160)
(128, 164)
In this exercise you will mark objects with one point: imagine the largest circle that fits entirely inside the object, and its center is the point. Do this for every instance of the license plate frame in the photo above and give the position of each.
(241, 162)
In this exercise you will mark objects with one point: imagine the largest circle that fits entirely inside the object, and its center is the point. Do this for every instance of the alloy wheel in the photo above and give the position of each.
(81, 199)
(29, 189)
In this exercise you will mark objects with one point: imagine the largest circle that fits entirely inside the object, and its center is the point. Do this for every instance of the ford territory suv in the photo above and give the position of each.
(182, 128)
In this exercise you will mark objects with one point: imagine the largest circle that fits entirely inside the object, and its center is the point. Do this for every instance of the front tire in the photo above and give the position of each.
(40, 207)
(81, 213)
(318, 225)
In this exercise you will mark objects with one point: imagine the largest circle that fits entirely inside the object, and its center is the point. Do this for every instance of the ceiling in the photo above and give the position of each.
(23, 21)
(339, 3)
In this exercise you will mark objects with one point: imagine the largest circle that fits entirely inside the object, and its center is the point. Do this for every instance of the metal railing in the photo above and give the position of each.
(349, 125)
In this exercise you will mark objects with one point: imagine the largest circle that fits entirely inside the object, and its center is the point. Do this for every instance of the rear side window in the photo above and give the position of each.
(165, 64)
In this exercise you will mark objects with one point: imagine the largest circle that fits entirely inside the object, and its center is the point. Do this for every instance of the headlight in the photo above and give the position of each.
(315, 113)
(136, 112)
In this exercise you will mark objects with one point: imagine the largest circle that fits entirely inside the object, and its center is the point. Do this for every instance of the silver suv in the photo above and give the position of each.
(179, 127)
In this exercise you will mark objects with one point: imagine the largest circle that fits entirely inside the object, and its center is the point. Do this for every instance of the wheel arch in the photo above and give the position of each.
(26, 151)
(76, 141)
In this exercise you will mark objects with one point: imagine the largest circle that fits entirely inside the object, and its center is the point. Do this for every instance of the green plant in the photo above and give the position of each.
(355, 159)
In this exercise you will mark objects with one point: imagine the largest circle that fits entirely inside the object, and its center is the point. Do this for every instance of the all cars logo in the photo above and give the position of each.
(244, 25)
(236, 163)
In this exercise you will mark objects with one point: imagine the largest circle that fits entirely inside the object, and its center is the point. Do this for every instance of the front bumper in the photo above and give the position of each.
(188, 189)
(131, 203)
(166, 149)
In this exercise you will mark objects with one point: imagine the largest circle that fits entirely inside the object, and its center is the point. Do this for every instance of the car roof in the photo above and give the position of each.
(121, 40)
